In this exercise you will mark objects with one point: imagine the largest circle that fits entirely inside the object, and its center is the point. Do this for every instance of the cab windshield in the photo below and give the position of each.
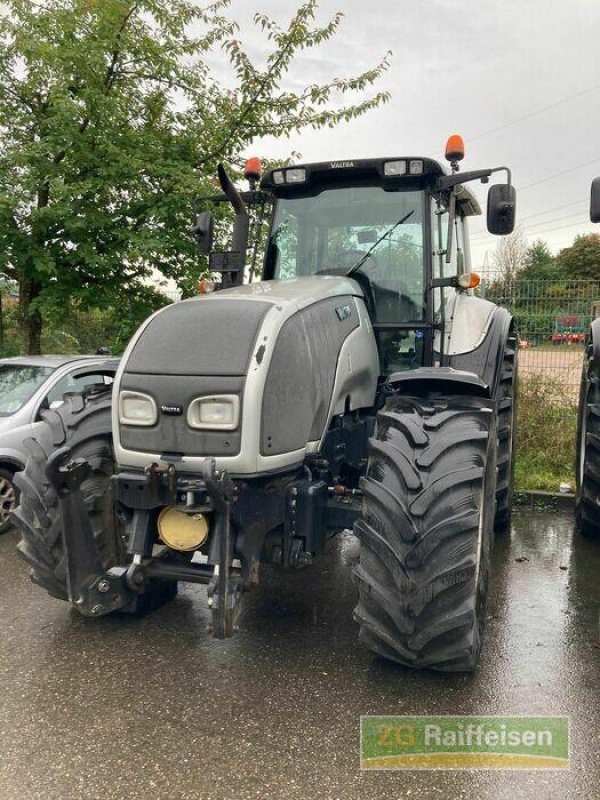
(329, 233)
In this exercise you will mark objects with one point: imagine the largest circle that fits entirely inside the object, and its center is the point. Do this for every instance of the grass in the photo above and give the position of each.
(545, 435)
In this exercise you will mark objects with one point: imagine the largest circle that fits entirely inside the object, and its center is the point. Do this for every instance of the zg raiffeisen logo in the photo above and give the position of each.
(453, 742)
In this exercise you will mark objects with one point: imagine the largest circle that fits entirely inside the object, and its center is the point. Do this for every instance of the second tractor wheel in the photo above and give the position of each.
(587, 468)
(426, 531)
(507, 410)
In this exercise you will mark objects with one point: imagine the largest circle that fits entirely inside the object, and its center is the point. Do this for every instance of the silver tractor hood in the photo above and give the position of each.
(240, 346)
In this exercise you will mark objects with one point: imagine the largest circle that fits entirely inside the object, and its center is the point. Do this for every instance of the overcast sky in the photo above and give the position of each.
(520, 81)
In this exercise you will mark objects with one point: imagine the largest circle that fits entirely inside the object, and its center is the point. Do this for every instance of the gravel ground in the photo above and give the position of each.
(562, 363)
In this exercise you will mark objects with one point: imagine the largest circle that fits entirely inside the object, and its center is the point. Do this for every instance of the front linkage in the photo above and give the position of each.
(144, 582)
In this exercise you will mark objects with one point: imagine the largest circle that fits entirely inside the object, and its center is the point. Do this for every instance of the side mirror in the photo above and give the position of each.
(203, 231)
(501, 209)
(595, 201)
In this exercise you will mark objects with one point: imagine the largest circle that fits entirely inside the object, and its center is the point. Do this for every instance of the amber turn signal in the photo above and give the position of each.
(206, 286)
(470, 280)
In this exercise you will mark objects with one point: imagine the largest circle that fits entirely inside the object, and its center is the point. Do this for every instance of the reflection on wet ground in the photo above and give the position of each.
(119, 708)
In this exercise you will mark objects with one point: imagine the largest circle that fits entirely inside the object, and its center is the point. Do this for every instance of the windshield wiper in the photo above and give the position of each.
(355, 267)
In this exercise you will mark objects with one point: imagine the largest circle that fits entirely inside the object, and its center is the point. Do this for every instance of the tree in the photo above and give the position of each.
(510, 256)
(111, 121)
(581, 261)
(539, 264)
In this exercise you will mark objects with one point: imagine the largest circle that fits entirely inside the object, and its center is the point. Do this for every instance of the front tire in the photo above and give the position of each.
(587, 467)
(426, 531)
(82, 423)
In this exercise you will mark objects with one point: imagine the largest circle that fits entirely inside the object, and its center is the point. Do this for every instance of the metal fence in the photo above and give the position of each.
(552, 319)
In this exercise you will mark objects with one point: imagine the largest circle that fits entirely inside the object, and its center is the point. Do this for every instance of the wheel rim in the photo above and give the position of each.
(8, 499)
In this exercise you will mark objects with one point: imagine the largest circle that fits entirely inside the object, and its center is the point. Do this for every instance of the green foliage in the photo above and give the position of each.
(112, 121)
(532, 325)
(10, 340)
(76, 328)
(546, 432)
(539, 305)
(539, 264)
(582, 259)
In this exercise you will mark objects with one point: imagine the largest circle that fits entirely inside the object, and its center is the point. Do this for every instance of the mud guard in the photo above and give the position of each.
(443, 379)
(595, 334)
(486, 359)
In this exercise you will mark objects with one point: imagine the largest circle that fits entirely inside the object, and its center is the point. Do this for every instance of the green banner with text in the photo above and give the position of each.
(464, 742)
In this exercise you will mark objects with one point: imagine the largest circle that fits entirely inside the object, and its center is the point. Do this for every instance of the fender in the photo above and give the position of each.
(485, 360)
(595, 341)
(445, 379)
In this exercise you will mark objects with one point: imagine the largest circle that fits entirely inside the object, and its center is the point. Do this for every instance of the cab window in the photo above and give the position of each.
(332, 232)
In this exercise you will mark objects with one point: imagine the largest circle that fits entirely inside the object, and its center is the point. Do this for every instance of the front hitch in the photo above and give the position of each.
(145, 584)
(225, 587)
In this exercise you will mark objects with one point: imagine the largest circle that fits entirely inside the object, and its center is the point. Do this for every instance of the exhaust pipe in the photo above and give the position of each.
(241, 227)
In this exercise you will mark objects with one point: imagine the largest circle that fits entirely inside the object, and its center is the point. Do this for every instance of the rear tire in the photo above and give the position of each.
(82, 423)
(426, 531)
(587, 468)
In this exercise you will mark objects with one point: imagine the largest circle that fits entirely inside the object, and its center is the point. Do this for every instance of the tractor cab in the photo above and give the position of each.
(397, 226)
(380, 222)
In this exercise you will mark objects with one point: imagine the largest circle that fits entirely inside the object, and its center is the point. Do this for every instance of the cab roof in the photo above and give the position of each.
(419, 173)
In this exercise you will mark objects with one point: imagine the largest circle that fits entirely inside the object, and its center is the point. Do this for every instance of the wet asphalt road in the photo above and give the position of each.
(123, 708)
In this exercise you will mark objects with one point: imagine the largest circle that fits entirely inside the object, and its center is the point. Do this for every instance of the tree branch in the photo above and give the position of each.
(109, 78)
(112, 69)
(251, 102)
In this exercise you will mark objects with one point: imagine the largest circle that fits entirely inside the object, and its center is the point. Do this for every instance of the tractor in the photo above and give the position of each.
(587, 467)
(360, 383)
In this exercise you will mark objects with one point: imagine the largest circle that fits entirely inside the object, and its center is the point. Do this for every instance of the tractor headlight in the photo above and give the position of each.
(136, 408)
(219, 412)
(295, 175)
(391, 169)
